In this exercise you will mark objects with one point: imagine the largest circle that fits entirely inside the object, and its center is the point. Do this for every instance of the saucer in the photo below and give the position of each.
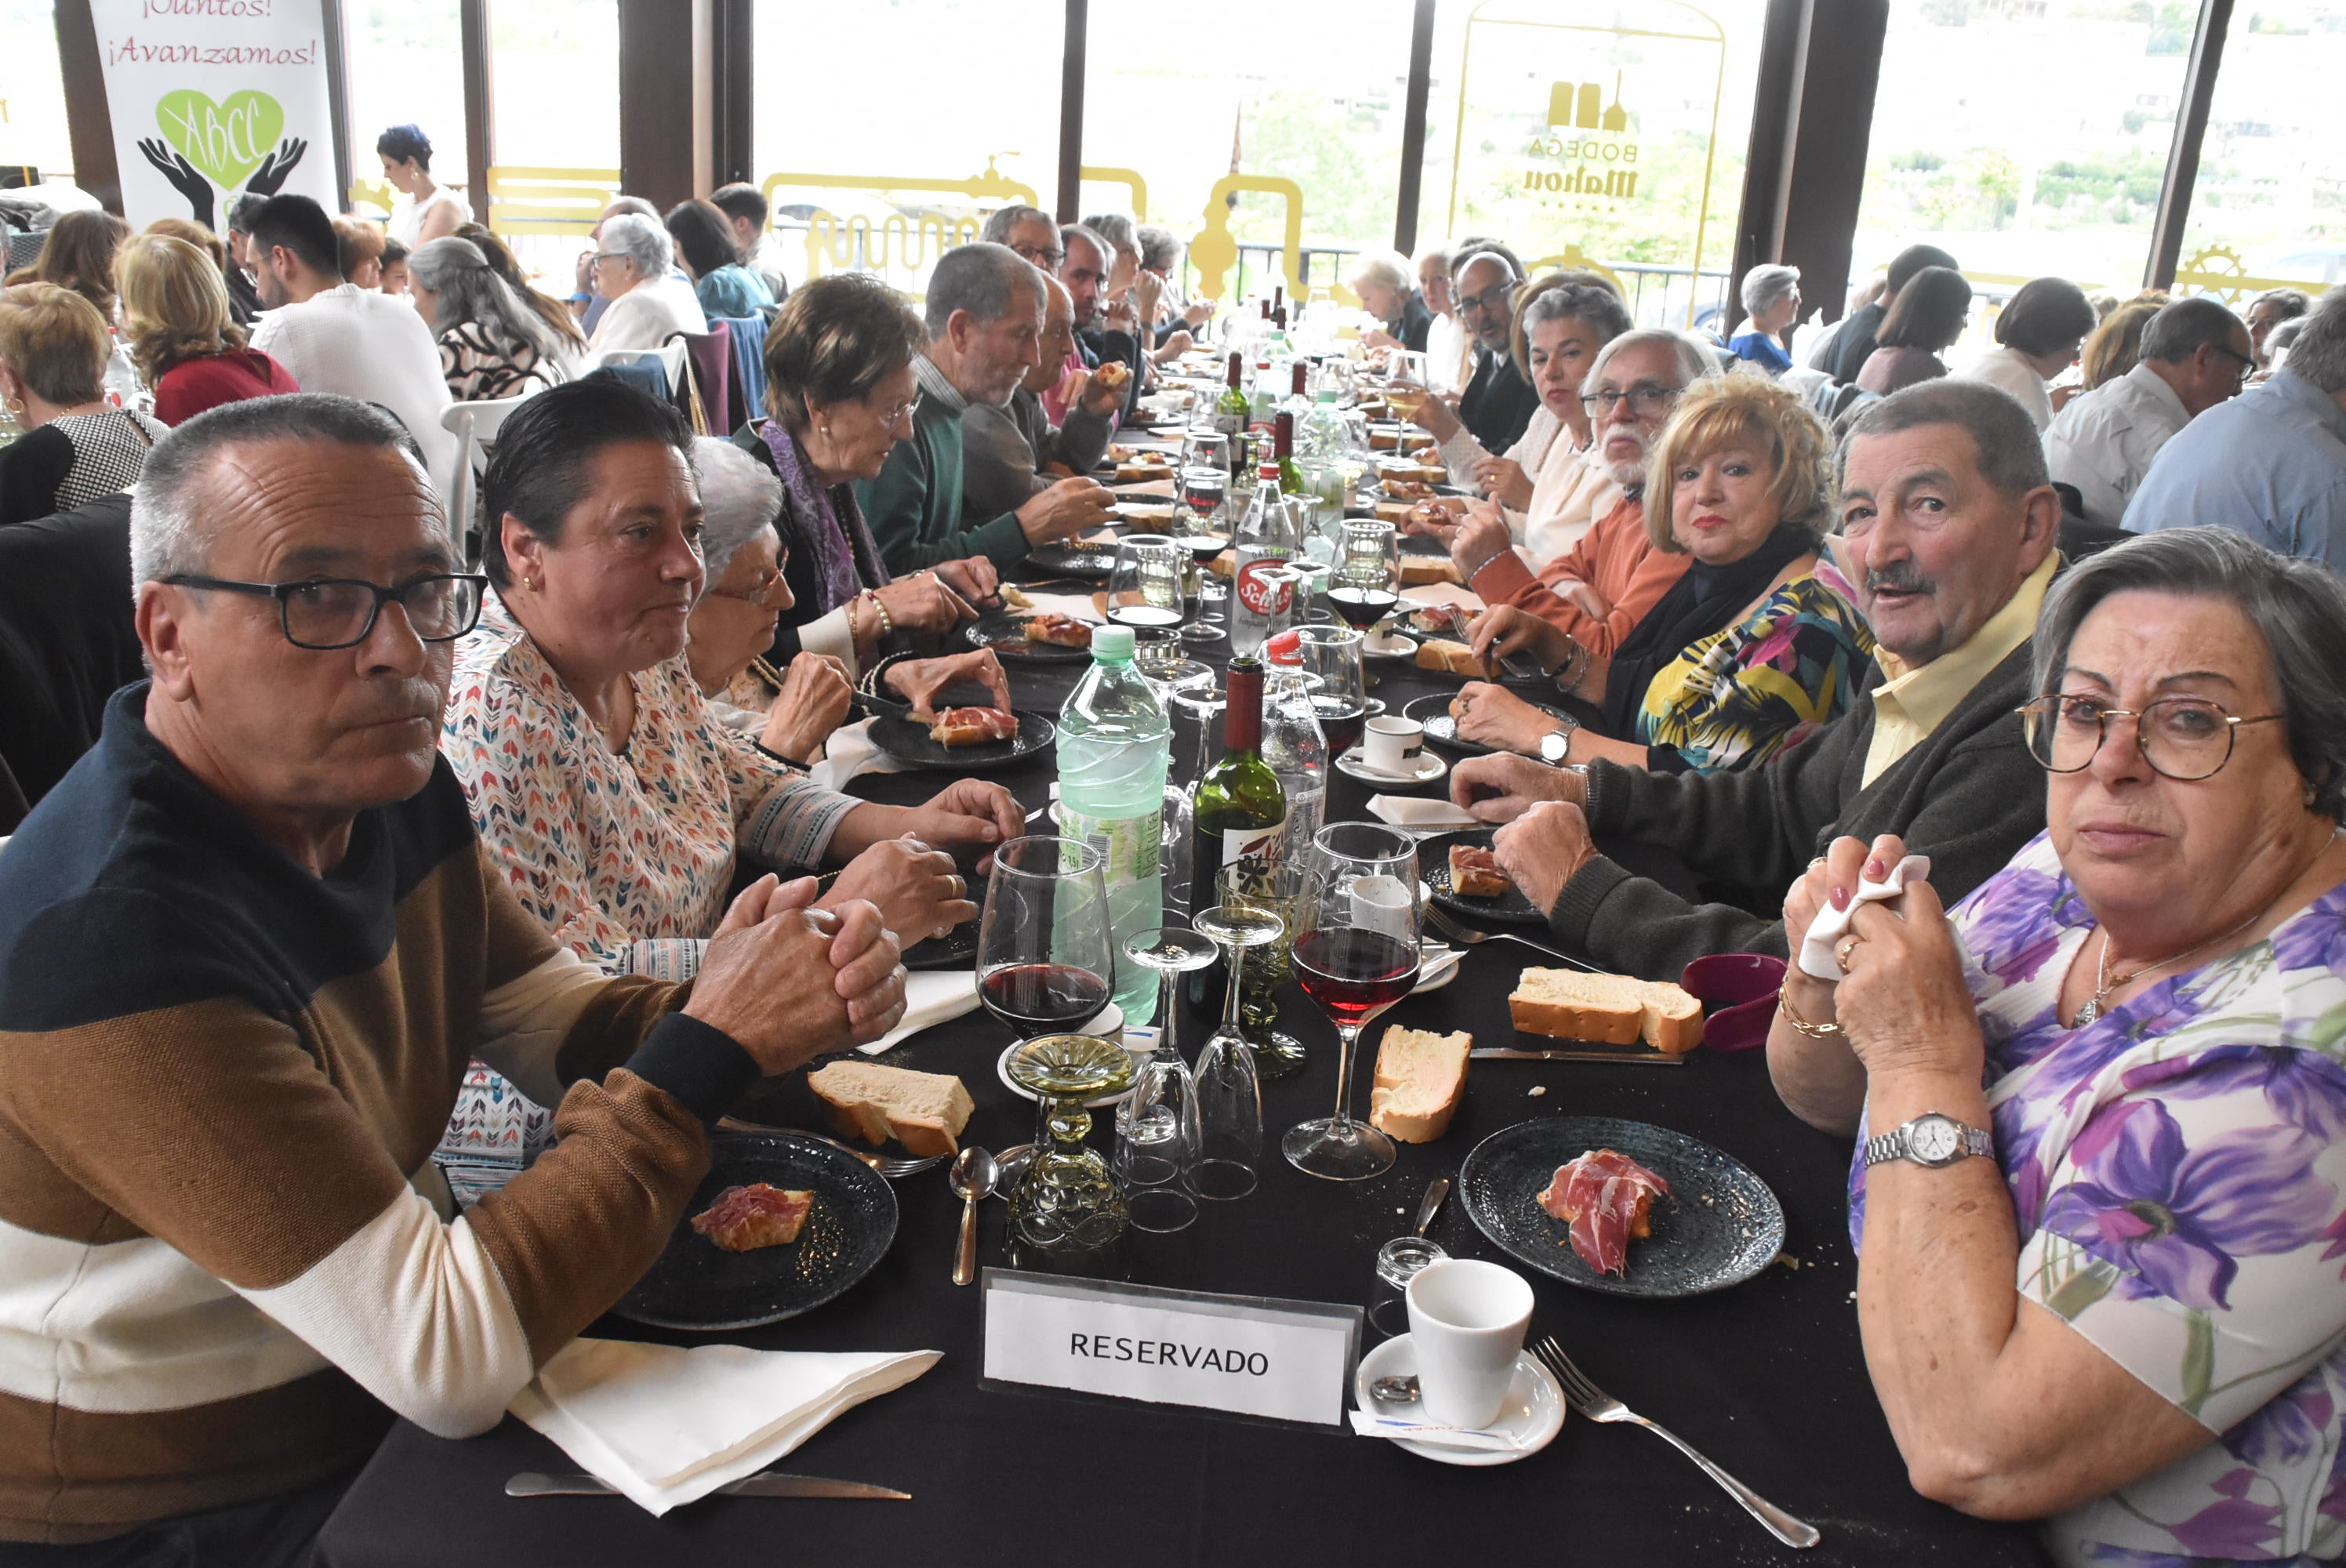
(1435, 974)
(1430, 767)
(1109, 1026)
(1387, 645)
(1534, 1411)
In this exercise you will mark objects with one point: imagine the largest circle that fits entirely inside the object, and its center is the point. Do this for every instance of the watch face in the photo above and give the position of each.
(1934, 1139)
(1555, 746)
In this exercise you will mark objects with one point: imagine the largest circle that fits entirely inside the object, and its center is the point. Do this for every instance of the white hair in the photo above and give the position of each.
(641, 240)
(1763, 286)
(1696, 358)
(739, 498)
(2318, 352)
(1389, 268)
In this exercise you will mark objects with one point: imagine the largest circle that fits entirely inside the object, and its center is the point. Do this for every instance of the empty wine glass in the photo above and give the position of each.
(1157, 1128)
(1229, 1098)
(1045, 963)
(1355, 954)
(1144, 586)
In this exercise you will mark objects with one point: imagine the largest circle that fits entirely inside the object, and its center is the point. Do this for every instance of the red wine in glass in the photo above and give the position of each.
(1353, 973)
(1340, 720)
(1039, 999)
(1363, 607)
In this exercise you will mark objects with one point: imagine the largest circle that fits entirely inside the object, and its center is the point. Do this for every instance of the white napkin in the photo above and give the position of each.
(849, 753)
(1831, 924)
(1420, 813)
(931, 997)
(665, 1425)
(1369, 1425)
(1076, 606)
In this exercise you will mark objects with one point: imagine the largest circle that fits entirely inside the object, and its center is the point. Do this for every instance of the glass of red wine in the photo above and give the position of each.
(1044, 962)
(1366, 585)
(1329, 658)
(1355, 954)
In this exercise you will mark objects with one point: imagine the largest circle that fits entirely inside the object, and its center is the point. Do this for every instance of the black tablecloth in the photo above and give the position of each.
(1766, 1378)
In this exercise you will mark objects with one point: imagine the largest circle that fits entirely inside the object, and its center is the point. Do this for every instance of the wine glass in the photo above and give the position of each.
(1230, 1099)
(1156, 1130)
(1266, 599)
(1202, 446)
(1044, 960)
(1366, 586)
(1329, 659)
(1144, 586)
(1267, 885)
(1355, 954)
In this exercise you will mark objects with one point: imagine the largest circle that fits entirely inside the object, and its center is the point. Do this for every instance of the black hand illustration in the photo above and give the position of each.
(183, 178)
(270, 176)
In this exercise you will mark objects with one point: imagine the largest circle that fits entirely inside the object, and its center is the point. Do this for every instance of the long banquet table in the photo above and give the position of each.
(1766, 1378)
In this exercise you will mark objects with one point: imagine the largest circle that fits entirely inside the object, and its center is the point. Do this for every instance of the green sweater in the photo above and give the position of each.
(913, 507)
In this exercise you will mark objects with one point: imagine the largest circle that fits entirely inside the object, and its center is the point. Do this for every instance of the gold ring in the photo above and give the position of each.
(1815, 863)
(1847, 946)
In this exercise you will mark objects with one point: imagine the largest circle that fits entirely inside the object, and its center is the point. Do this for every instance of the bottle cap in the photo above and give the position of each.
(1112, 645)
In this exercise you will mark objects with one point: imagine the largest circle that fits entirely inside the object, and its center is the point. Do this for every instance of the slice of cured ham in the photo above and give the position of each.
(972, 725)
(744, 1218)
(1064, 631)
(1607, 1199)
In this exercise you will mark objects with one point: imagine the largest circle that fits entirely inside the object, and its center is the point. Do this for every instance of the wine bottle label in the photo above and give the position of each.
(1263, 592)
(1252, 843)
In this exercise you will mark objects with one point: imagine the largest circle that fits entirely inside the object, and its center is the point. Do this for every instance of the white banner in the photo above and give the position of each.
(214, 98)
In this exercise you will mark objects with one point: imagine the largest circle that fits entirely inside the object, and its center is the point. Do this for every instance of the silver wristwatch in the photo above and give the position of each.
(1557, 744)
(1932, 1140)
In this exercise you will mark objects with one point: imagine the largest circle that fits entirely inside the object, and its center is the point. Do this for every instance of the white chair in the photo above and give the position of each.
(475, 425)
(671, 357)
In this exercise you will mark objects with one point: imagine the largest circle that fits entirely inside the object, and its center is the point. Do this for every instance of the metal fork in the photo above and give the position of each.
(1598, 1405)
(1467, 936)
(893, 1167)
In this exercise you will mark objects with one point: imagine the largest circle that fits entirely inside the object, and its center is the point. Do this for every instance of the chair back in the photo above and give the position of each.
(707, 401)
(748, 369)
(475, 425)
(68, 638)
(668, 358)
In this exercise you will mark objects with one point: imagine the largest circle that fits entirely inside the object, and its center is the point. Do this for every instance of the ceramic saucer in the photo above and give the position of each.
(1430, 767)
(1533, 1414)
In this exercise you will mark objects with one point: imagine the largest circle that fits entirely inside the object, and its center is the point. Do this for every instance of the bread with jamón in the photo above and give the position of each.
(1475, 874)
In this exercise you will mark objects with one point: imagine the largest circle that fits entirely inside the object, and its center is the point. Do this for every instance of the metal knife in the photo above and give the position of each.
(1438, 1189)
(1505, 1053)
(765, 1483)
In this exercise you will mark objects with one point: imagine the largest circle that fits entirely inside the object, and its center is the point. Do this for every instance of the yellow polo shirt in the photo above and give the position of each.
(1910, 703)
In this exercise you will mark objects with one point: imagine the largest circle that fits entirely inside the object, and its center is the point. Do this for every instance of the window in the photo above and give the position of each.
(404, 65)
(555, 79)
(33, 90)
(1610, 134)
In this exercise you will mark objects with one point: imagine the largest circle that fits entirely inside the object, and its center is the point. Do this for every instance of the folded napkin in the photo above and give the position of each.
(848, 753)
(931, 998)
(1420, 814)
(1435, 963)
(1077, 606)
(1831, 924)
(666, 1425)
(1369, 1425)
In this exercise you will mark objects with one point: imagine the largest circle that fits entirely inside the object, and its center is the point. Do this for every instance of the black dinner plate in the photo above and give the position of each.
(1006, 636)
(1433, 712)
(1433, 865)
(696, 1284)
(908, 741)
(1424, 545)
(1720, 1226)
(1096, 561)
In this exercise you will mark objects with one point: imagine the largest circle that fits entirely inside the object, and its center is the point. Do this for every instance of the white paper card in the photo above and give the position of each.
(1248, 1355)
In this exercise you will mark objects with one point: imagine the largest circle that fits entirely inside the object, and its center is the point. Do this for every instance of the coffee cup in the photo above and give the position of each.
(1392, 744)
(1466, 1323)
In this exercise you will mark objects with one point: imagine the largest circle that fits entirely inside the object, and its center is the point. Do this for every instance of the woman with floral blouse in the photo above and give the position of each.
(2130, 1320)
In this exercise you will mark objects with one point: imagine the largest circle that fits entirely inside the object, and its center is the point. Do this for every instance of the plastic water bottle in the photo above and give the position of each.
(1115, 745)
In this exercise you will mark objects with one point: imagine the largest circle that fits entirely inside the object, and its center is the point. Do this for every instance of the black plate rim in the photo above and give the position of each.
(1605, 1284)
(1438, 885)
(1458, 742)
(849, 1167)
(1074, 561)
(1003, 626)
(975, 757)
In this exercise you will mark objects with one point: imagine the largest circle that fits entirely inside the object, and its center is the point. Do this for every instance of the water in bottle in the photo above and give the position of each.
(1115, 746)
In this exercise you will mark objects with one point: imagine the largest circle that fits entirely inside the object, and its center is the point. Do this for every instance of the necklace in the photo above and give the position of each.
(2093, 1007)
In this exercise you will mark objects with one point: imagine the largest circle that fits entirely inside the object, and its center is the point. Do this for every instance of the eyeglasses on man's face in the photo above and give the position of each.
(1494, 298)
(327, 613)
(2247, 366)
(1646, 399)
(1043, 255)
(2186, 738)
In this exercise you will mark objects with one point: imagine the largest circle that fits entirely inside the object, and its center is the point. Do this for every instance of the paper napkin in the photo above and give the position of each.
(1421, 814)
(1831, 925)
(1078, 607)
(849, 753)
(1369, 1425)
(665, 1425)
(931, 997)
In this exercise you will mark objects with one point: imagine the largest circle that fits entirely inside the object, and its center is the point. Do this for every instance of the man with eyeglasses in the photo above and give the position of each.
(1947, 530)
(247, 945)
(1498, 402)
(2271, 464)
(1012, 451)
(2195, 354)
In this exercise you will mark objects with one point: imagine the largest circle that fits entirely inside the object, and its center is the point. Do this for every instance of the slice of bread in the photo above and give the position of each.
(1612, 1008)
(925, 1111)
(1450, 657)
(1417, 569)
(1421, 1078)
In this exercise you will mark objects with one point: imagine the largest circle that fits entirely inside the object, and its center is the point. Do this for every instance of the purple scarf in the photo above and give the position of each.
(845, 552)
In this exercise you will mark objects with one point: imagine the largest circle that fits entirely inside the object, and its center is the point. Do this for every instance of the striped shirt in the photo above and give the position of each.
(225, 1260)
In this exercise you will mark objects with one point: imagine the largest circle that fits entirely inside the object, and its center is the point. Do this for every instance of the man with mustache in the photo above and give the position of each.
(247, 945)
(1947, 531)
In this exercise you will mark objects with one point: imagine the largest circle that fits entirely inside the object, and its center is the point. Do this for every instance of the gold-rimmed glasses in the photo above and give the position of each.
(2186, 738)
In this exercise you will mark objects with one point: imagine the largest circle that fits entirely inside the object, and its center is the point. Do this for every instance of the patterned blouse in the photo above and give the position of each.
(2175, 1169)
(625, 855)
(477, 368)
(1735, 698)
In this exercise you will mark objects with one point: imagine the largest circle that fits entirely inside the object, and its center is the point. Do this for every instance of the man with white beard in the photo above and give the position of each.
(1592, 595)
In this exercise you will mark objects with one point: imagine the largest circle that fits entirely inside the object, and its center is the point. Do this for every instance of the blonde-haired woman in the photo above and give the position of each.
(178, 328)
(78, 447)
(1758, 645)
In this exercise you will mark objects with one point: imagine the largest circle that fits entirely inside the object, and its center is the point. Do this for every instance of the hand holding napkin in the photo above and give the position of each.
(1421, 814)
(667, 1426)
(849, 752)
(931, 997)
(1831, 925)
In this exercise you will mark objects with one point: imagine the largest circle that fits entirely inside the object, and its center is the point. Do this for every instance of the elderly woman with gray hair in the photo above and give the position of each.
(2101, 1210)
(1388, 291)
(1771, 304)
(491, 344)
(635, 270)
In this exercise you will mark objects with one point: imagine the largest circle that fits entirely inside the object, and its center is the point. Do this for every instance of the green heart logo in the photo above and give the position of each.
(225, 141)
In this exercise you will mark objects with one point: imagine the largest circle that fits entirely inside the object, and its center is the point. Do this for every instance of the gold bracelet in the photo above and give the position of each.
(1813, 1031)
(854, 630)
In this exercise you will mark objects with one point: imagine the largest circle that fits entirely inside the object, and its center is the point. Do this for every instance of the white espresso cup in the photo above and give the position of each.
(1466, 1322)
(1393, 745)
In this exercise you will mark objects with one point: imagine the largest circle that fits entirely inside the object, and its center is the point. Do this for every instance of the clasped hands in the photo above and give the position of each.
(788, 982)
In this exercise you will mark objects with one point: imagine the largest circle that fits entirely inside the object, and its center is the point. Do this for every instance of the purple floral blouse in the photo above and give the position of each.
(2176, 1169)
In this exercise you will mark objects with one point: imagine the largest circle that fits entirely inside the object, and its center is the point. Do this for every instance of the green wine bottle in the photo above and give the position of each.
(1241, 809)
(1283, 437)
(1230, 408)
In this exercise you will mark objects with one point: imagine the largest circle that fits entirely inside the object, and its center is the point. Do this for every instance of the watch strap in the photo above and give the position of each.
(1897, 1143)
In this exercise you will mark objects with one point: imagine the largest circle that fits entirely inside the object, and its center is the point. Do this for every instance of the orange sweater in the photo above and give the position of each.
(1616, 558)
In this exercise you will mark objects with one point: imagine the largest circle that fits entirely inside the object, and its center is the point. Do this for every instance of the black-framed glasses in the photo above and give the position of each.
(1644, 400)
(326, 613)
(1042, 256)
(2247, 362)
(1491, 299)
(2186, 738)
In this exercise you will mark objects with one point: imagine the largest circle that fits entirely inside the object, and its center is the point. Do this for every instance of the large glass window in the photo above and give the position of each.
(32, 90)
(2027, 138)
(406, 67)
(2269, 206)
(555, 93)
(887, 131)
(1599, 132)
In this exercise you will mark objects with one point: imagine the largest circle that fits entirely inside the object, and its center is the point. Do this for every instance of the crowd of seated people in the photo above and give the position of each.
(1787, 660)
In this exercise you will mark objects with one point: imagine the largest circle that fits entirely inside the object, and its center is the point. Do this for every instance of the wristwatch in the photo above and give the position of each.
(1557, 743)
(1932, 1140)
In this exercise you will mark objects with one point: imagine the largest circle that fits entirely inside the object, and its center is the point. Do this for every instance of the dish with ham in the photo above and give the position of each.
(1607, 1199)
